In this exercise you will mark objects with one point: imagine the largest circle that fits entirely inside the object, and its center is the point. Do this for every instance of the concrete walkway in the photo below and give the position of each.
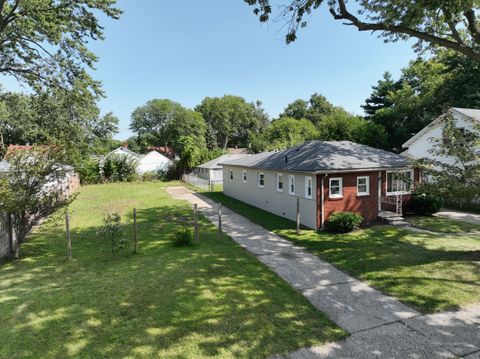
(380, 326)
(460, 216)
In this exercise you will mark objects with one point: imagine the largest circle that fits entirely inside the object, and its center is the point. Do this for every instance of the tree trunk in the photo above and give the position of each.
(17, 251)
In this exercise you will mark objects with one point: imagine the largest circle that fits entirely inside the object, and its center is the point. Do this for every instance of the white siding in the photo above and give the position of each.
(268, 198)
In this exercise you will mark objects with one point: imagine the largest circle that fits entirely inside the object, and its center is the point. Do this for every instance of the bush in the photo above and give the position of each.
(111, 231)
(426, 204)
(151, 176)
(89, 171)
(183, 237)
(343, 222)
(119, 169)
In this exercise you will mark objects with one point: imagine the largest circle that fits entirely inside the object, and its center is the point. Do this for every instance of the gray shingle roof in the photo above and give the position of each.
(469, 112)
(214, 164)
(324, 156)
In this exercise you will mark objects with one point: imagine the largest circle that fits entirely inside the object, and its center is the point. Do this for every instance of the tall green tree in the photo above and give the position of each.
(286, 132)
(451, 24)
(163, 122)
(316, 108)
(231, 120)
(43, 43)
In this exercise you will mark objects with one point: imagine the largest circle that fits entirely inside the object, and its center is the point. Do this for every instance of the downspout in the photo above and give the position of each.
(323, 200)
(379, 187)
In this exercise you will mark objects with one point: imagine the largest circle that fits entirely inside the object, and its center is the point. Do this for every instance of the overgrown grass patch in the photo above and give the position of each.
(429, 272)
(211, 299)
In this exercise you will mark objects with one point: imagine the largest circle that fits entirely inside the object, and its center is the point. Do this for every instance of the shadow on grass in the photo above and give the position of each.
(427, 272)
(210, 299)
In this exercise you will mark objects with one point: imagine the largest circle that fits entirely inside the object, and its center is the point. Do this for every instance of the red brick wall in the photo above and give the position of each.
(367, 205)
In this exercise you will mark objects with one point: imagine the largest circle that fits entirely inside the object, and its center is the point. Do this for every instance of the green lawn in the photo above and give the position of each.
(429, 272)
(210, 300)
(443, 225)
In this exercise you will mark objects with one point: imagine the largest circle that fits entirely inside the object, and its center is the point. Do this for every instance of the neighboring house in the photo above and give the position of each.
(326, 177)
(164, 150)
(153, 162)
(420, 145)
(123, 151)
(212, 171)
(237, 150)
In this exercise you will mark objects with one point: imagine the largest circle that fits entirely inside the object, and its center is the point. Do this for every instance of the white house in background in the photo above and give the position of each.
(212, 171)
(154, 162)
(123, 151)
(420, 145)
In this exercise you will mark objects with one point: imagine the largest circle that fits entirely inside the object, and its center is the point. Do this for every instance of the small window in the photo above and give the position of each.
(363, 186)
(336, 187)
(280, 182)
(291, 184)
(261, 180)
(244, 176)
(231, 175)
(308, 187)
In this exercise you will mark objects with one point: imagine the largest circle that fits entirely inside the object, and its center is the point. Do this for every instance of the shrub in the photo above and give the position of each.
(89, 171)
(426, 204)
(151, 176)
(343, 222)
(111, 231)
(183, 237)
(119, 169)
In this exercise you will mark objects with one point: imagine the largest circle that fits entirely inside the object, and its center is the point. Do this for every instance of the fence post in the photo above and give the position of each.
(135, 239)
(195, 221)
(220, 220)
(298, 215)
(69, 238)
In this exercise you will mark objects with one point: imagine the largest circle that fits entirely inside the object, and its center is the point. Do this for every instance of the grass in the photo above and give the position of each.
(212, 299)
(442, 225)
(428, 272)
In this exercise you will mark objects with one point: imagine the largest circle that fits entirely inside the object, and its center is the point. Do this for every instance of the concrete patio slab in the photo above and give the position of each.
(355, 306)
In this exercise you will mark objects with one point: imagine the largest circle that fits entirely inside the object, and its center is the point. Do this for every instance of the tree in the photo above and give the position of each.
(231, 119)
(425, 90)
(287, 132)
(451, 24)
(457, 180)
(32, 188)
(43, 42)
(164, 122)
(314, 110)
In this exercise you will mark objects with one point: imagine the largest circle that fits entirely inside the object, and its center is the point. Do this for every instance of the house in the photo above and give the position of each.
(212, 171)
(326, 177)
(420, 145)
(123, 151)
(153, 162)
(164, 150)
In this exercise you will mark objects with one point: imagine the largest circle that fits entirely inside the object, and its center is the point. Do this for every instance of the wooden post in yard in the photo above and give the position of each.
(135, 238)
(220, 220)
(195, 221)
(298, 215)
(69, 238)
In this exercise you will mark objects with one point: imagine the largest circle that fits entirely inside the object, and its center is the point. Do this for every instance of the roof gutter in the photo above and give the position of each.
(320, 172)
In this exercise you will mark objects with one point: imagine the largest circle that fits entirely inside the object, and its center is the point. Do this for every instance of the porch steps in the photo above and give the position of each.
(392, 218)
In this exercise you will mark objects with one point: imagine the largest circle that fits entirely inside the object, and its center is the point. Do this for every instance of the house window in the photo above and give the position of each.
(261, 180)
(244, 176)
(280, 182)
(399, 182)
(308, 187)
(363, 186)
(336, 187)
(231, 175)
(291, 184)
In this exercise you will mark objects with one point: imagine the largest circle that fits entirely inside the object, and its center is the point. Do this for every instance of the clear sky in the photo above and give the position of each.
(186, 50)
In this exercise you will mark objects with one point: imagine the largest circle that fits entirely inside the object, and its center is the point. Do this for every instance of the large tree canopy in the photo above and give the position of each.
(231, 120)
(43, 42)
(451, 24)
(425, 90)
(164, 122)
(316, 108)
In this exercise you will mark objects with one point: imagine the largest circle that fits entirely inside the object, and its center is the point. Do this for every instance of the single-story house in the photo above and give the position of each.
(212, 171)
(152, 161)
(421, 145)
(326, 177)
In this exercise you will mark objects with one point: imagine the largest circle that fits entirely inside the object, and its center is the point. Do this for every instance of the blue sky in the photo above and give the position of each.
(186, 50)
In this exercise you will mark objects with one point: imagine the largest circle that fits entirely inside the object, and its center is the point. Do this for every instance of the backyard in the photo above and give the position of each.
(430, 272)
(212, 299)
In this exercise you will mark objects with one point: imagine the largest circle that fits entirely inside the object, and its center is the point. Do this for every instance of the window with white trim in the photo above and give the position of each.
(363, 186)
(399, 182)
(291, 184)
(336, 187)
(231, 175)
(244, 176)
(261, 179)
(308, 187)
(280, 182)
